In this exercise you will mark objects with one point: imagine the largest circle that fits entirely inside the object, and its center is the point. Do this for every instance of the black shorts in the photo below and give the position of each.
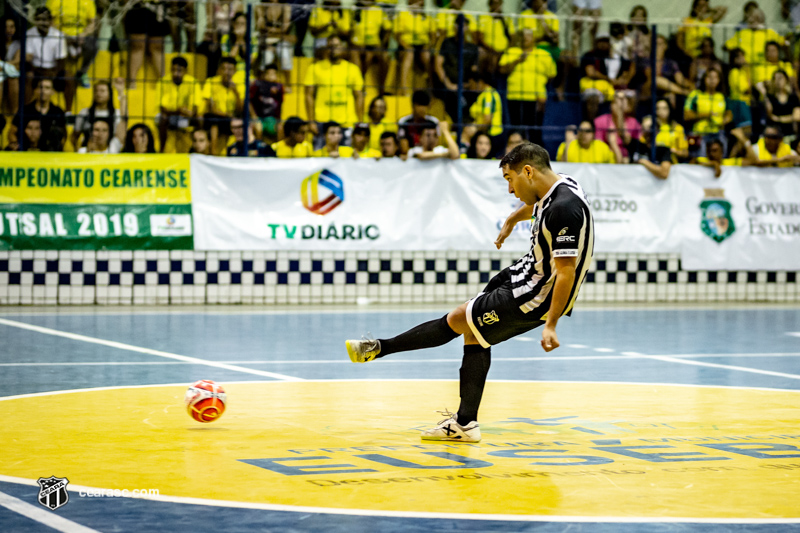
(223, 124)
(494, 315)
(143, 21)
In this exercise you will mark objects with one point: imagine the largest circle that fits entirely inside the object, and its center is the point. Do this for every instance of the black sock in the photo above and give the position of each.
(427, 335)
(474, 368)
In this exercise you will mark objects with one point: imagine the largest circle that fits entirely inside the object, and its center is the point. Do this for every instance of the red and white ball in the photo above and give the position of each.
(205, 400)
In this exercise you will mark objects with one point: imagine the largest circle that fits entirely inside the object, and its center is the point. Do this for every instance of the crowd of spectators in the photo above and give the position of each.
(495, 76)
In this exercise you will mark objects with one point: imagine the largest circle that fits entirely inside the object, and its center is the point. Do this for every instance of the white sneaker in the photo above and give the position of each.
(363, 351)
(450, 429)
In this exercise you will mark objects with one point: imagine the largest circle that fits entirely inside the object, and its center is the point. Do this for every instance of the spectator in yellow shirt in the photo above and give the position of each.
(415, 32)
(754, 38)
(528, 69)
(294, 143)
(641, 152)
(670, 132)
(332, 132)
(371, 27)
(334, 89)
(77, 20)
(584, 148)
(361, 144)
(486, 112)
(708, 109)
(697, 26)
(329, 19)
(762, 73)
(447, 23)
(716, 159)
(223, 102)
(771, 151)
(378, 124)
(495, 32)
(180, 99)
(543, 23)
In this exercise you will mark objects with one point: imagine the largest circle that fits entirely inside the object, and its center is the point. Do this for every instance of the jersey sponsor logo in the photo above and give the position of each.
(323, 183)
(566, 238)
(563, 231)
(715, 219)
(565, 253)
(490, 317)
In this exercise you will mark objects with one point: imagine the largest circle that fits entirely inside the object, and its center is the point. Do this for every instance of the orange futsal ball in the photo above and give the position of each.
(205, 400)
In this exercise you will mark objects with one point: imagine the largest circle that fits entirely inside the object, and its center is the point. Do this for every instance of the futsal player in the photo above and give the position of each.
(536, 290)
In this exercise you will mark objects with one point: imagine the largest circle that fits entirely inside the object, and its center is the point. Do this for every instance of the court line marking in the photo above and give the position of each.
(624, 355)
(726, 367)
(391, 380)
(51, 520)
(413, 514)
(148, 351)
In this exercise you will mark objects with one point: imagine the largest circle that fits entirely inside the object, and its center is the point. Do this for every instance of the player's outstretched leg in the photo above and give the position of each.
(428, 335)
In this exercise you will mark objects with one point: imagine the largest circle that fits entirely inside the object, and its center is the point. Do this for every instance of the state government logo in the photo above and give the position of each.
(715, 219)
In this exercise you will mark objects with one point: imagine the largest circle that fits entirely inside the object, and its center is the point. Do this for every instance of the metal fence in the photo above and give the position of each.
(134, 76)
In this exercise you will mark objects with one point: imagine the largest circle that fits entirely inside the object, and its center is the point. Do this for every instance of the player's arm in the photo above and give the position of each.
(661, 171)
(523, 213)
(565, 279)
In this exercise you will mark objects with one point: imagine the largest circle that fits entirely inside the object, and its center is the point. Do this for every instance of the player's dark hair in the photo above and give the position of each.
(772, 43)
(389, 135)
(292, 125)
(228, 59)
(715, 141)
(180, 61)
(526, 153)
(421, 98)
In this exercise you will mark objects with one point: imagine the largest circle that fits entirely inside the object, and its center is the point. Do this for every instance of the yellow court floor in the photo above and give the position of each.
(549, 449)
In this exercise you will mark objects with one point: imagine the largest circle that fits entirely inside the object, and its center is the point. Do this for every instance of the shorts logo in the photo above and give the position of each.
(566, 238)
(53, 492)
(490, 317)
(328, 182)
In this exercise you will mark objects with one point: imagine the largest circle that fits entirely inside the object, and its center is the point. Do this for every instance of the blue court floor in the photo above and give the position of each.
(47, 350)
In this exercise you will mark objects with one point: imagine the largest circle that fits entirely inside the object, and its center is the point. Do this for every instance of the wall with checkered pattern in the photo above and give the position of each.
(190, 277)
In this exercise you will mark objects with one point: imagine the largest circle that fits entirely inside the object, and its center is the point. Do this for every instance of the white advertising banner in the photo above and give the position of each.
(330, 204)
(748, 219)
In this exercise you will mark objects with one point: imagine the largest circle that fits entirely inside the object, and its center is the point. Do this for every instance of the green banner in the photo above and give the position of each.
(95, 227)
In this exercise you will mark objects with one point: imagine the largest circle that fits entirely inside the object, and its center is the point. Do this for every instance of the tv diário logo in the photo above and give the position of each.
(322, 192)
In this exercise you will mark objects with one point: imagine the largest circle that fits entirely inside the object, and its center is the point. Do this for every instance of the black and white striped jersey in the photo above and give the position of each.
(562, 226)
